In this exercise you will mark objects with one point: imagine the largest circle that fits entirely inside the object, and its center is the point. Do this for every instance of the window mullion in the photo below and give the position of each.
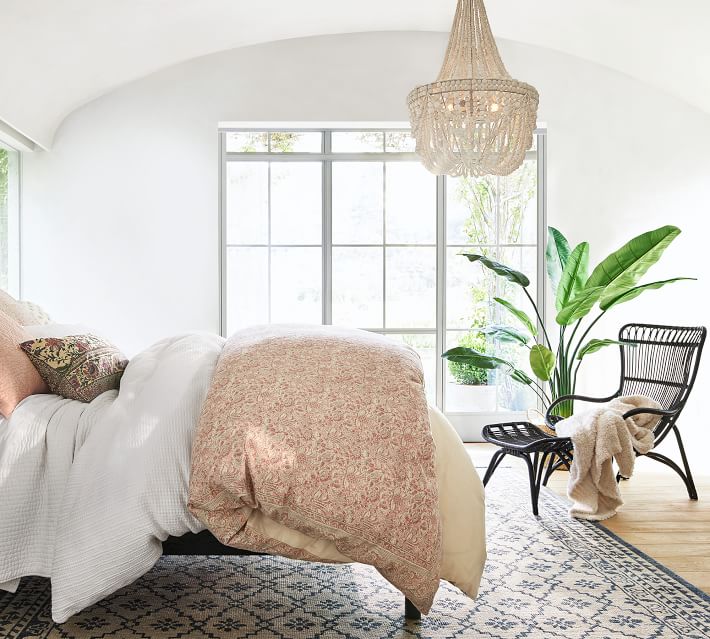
(268, 240)
(440, 345)
(327, 232)
(222, 237)
(384, 244)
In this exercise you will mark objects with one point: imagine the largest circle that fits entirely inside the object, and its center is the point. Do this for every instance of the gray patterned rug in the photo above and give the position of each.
(546, 577)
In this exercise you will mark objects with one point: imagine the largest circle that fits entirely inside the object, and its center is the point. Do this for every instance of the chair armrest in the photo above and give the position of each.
(652, 411)
(551, 419)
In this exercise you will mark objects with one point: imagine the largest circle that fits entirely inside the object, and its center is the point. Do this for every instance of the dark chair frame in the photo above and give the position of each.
(542, 453)
(205, 543)
(658, 361)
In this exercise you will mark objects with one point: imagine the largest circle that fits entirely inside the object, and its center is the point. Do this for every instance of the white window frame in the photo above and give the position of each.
(468, 424)
(14, 223)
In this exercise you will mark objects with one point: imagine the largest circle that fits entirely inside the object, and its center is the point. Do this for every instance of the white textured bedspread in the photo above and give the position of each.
(89, 491)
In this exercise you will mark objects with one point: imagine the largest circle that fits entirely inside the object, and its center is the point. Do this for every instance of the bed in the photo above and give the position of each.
(91, 495)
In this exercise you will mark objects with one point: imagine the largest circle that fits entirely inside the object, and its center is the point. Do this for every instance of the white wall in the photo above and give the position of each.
(120, 218)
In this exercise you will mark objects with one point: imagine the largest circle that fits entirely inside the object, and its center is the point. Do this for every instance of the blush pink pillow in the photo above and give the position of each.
(18, 377)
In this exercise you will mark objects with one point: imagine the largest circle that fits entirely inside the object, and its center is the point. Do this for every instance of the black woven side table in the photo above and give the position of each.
(542, 453)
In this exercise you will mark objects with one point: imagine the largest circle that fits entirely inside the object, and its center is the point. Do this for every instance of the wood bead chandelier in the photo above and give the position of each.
(475, 119)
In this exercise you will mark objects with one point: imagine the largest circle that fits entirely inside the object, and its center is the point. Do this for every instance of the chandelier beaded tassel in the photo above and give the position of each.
(475, 119)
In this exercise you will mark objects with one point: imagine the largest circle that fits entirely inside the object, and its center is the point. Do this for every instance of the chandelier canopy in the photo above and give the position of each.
(474, 119)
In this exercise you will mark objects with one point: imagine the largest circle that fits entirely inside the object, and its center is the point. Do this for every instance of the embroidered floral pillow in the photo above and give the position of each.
(77, 367)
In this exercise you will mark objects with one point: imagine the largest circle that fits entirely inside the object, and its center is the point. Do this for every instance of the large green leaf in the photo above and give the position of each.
(594, 345)
(465, 355)
(556, 255)
(634, 292)
(574, 275)
(623, 268)
(542, 361)
(506, 334)
(521, 377)
(521, 315)
(580, 305)
(499, 269)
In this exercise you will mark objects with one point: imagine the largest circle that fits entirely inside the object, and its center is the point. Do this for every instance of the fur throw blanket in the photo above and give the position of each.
(599, 436)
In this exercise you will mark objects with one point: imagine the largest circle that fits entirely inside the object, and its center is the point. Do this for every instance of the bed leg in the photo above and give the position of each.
(410, 611)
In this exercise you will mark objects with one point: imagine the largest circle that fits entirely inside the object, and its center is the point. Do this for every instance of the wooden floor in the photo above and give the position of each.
(657, 517)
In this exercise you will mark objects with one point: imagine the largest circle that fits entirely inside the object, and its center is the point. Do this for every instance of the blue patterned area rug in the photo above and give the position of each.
(545, 577)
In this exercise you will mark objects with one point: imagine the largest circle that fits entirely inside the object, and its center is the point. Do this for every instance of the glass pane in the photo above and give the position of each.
(247, 287)
(357, 142)
(247, 203)
(410, 204)
(296, 285)
(246, 142)
(399, 142)
(288, 142)
(410, 291)
(517, 212)
(511, 395)
(471, 210)
(296, 203)
(357, 287)
(469, 289)
(525, 261)
(357, 202)
(425, 345)
(469, 389)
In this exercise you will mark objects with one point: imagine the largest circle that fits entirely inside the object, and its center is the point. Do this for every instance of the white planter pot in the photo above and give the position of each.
(462, 398)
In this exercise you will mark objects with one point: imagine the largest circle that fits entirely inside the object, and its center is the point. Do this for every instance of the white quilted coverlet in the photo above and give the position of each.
(95, 525)
(89, 491)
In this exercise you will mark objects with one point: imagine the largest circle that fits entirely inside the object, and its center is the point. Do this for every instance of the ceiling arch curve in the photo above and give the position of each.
(56, 56)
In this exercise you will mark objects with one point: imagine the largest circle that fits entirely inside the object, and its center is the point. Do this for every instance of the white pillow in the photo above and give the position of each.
(39, 331)
(35, 313)
(24, 313)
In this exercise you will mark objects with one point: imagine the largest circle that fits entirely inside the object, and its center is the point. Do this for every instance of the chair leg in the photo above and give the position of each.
(532, 474)
(555, 462)
(495, 462)
(686, 476)
(689, 482)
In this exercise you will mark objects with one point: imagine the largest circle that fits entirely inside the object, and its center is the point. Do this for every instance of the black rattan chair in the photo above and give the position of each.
(660, 362)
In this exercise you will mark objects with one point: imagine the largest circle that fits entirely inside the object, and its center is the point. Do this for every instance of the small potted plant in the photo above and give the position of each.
(469, 389)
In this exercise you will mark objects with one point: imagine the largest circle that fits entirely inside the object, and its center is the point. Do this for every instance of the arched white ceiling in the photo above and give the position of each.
(55, 56)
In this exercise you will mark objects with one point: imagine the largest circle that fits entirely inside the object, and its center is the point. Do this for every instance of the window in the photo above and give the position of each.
(9, 220)
(346, 227)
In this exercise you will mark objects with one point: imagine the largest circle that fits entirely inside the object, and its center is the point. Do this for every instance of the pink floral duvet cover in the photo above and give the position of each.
(326, 432)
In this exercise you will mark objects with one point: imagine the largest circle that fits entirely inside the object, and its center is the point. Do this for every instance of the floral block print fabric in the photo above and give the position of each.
(80, 367)
(325, 431)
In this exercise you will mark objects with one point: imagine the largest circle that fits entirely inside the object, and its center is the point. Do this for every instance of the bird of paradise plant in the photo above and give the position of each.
(613, 281)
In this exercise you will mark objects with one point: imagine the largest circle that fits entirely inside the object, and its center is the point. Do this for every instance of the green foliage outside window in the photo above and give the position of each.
(497, 208)
(468, 374)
